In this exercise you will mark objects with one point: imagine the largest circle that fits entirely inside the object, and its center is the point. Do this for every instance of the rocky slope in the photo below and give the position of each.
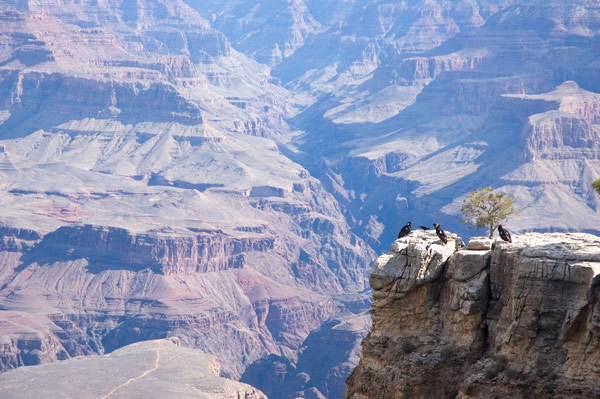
(89, 289)
(472, 124)
(61, 61)
(144, 194)
(325, 360)
(150, 369)
(515, 320)
(268, 31)
(158, 179)
(415, 103)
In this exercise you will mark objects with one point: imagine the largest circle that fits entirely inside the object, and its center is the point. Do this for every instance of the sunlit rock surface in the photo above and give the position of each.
(520, 319)
(145, 193)
(149, 369)
(174, 165)
(84, 290)
(416, 103)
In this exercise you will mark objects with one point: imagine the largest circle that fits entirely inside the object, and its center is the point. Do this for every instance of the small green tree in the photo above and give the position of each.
(486, 208)
(596, 185)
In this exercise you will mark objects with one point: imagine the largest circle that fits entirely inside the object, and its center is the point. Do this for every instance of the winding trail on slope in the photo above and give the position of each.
(145, 373)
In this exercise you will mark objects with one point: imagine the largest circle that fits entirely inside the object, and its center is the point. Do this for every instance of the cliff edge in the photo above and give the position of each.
(490, 320)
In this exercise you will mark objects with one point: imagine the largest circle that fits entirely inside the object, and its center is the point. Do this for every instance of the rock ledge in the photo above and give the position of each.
(519, 320)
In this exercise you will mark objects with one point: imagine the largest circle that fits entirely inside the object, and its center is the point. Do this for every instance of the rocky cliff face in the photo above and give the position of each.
(433, 99)
(515, 320)
(118, 61)
(568, 129)
(144, 195)
(269, 31)
(87, 289)
(212, 251)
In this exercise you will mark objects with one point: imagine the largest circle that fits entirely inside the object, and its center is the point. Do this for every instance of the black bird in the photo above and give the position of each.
(405, 230)
(424, 227)
(441, 233)
(504, 234)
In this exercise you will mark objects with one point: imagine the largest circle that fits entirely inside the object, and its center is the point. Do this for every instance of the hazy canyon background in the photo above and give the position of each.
(224, 172)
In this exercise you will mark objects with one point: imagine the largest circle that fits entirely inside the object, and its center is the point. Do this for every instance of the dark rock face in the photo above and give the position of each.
(17, 240)
(57, 93)
(325, 359)
(507, 322)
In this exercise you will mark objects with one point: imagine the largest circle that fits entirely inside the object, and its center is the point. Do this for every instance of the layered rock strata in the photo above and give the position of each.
(502, 320)
(83, 290)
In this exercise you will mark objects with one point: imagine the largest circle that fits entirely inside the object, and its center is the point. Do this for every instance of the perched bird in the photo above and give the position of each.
(405, 230)
(504, 234)
(424, 227)
(440, 233)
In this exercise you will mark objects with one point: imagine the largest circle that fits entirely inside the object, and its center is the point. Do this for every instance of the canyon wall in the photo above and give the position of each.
(491, 320)
(224, 171)
(144, 194)
(83, 290)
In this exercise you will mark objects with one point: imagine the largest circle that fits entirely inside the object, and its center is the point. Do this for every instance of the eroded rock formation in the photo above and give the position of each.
(145, 195)
(502, 320)
(153, 159)
(84, 290)
(326, 358)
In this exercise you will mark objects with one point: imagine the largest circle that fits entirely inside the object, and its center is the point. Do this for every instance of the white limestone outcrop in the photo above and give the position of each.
(519, 319)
